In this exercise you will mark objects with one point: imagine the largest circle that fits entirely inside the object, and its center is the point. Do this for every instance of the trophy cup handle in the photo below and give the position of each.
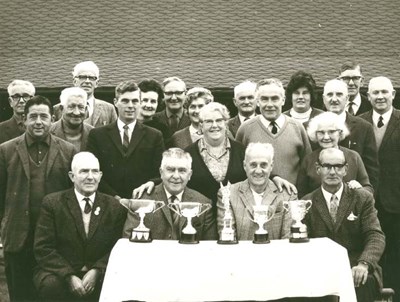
(286, 205)
(174, 207)
(272, 216)
(206, 206)
(158, 205)
(308, 204)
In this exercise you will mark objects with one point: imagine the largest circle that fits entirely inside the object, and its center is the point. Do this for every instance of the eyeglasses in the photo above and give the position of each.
(336, 167)
(348, 79)
(86, 77)
(170, 93)
(72, 107)
(18, 97)
(329, 132)
(209, 123)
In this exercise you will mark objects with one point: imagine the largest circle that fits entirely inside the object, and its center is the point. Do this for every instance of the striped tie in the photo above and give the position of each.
(88, 207)
(333, 207)
(274, 128)
(125, 142)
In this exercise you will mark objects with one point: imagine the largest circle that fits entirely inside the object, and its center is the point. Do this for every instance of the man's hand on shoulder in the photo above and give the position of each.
(148, 187)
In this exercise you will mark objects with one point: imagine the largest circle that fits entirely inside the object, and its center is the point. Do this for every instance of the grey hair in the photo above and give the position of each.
(86, 65)
(327, 118)
(27, 85)
(272, 81)
(214, 106)
(83, 156)
(177, 153)
(72, 91)
(250, 85)
(267, 149)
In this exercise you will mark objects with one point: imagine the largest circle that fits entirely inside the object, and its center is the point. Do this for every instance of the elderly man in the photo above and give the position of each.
(361, 138)
(351, 74)
(175, 170)
(99, 113)
(386, 124)
(19, 92)
(257, 189)
(71, 127)
(31, 166)
(246, 103)
(130, 152)
(348, 217)
(286, 135)
(72, 260)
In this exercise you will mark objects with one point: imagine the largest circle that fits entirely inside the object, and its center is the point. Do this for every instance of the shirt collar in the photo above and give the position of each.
(242, 118)
(328, 195)
(121, 125)
(178, 114)
(30, 140)
(356, 101)
(178, 196)
(193, 130)
(90, 101)
(386, 116)
(203, 144)
(280, 121)
(80, 197)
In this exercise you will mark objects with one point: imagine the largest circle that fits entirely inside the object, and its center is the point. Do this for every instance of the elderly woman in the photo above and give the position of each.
(327, 129)
(196, 98)
(301, 93)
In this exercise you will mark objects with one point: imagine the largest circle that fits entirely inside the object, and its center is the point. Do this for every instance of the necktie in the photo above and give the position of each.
(175, 217)
(333, 207)
(246, 119)
(88, 207)
(380, 122)
(125, 142)
(350, 109)
(274, 128)
(174, 122)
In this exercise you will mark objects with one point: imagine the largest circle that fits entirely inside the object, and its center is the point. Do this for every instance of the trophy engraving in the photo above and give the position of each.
(141, 207)
(260, 216)
(297, 210)
(228, 234)
(189, 210)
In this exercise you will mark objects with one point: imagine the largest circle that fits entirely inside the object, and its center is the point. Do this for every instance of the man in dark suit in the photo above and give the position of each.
(19, 92)
(361, 138)
(31, 166)
(386, 124)
(130, 152)
(71, 127)
(351, 74)
(246, 103)
(99, 113)
(347, 216)
(175, 173)
(75, 233)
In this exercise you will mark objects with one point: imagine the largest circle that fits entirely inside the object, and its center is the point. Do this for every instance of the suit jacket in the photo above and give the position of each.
(234, 124)
(15, 185)
(124, 172)
(9, 130)
(181, 138)
(103, 113)
(361, 236)
(57, 130)
(163, 119)
(61, 246)
(362, 140)
(389, 153)
(241, 206)
(161, 223)
(365, 105)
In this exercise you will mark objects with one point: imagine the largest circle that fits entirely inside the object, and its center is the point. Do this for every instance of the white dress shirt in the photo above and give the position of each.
(328, 195)
(121, 129)
(82, 203)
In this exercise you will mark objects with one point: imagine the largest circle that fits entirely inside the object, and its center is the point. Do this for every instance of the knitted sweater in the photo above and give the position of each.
(290, 144)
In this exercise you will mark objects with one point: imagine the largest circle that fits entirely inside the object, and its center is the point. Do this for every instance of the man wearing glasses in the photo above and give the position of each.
(348, 217)
(19, 92)
(99, 113)
(350, 73)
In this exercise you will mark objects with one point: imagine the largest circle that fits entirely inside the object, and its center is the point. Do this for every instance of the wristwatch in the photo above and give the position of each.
(364, 262)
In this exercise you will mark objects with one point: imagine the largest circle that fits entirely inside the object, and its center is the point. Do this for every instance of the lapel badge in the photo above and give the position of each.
(352, 217)
(97, 211)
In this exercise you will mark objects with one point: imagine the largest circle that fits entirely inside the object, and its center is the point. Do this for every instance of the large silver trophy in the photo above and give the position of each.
(228, 234)
(297, 210)
(141, 207)
(189, 210)
(261, 215)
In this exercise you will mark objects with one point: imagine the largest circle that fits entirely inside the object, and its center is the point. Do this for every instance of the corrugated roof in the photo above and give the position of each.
(211, 43)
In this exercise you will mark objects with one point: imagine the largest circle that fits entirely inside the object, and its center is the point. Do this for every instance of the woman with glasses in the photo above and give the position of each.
(327, 129)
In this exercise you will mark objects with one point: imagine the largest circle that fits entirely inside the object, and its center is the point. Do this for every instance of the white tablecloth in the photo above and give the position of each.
(169, 271)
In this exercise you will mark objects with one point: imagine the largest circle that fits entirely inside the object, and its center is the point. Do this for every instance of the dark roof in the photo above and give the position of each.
(213, 43)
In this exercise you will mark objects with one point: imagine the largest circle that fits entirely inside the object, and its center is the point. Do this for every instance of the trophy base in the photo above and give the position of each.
(227, 241)
(261, 238)
(188, 239)
(299, 240)
(141, 236)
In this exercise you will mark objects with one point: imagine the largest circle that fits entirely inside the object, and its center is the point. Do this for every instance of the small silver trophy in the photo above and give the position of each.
(228, 234)
(297, 210)
(141, 207)
(260, 216)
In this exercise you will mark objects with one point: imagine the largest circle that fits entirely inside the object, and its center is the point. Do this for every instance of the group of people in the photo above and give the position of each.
(64, 168)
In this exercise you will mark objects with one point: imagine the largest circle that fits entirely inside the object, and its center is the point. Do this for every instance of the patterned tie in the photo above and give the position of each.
(88, 207)
(125, 142)
(333, 207)
(175, 217)
(350, 109)
(174, 123)
(380, 122)
(274, 128)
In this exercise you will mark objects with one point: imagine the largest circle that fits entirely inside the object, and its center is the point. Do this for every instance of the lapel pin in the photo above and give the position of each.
(352, 217)
(97, 211)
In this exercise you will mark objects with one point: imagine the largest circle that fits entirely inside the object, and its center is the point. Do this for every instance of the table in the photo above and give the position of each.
(165, 270)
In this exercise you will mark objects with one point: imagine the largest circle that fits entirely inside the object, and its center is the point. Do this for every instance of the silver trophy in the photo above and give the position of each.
(297, 210)
(189, 210)
(261, 216)
(228, 234)
(141, 207)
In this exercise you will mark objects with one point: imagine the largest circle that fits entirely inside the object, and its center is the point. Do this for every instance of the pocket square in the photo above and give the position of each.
(352, 217)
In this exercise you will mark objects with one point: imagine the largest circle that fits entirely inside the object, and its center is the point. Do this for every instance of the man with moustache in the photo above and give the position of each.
(71, 127)
(19, 92)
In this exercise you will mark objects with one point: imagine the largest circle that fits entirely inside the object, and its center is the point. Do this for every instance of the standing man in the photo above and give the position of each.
(19, 92)
(287, 136)
(361, 138)
(130, 152)
(71, 127)
(31, 166)
(99, 113)
(348, 217)
(351, 74)
(74, 236)
(386, 124)
(246, 103)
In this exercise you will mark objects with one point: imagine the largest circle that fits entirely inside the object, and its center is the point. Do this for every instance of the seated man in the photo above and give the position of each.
(164, 224)
(76, 231)
(347, 216)
(257, 189)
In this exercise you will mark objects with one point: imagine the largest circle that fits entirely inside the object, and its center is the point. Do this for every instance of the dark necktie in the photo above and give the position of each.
(333, 207)
(174, 122)
(175, 217)
(125, 142)
(380, 122)
(246, 119)
(88, 207)
(350, 109)
(274, 128)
